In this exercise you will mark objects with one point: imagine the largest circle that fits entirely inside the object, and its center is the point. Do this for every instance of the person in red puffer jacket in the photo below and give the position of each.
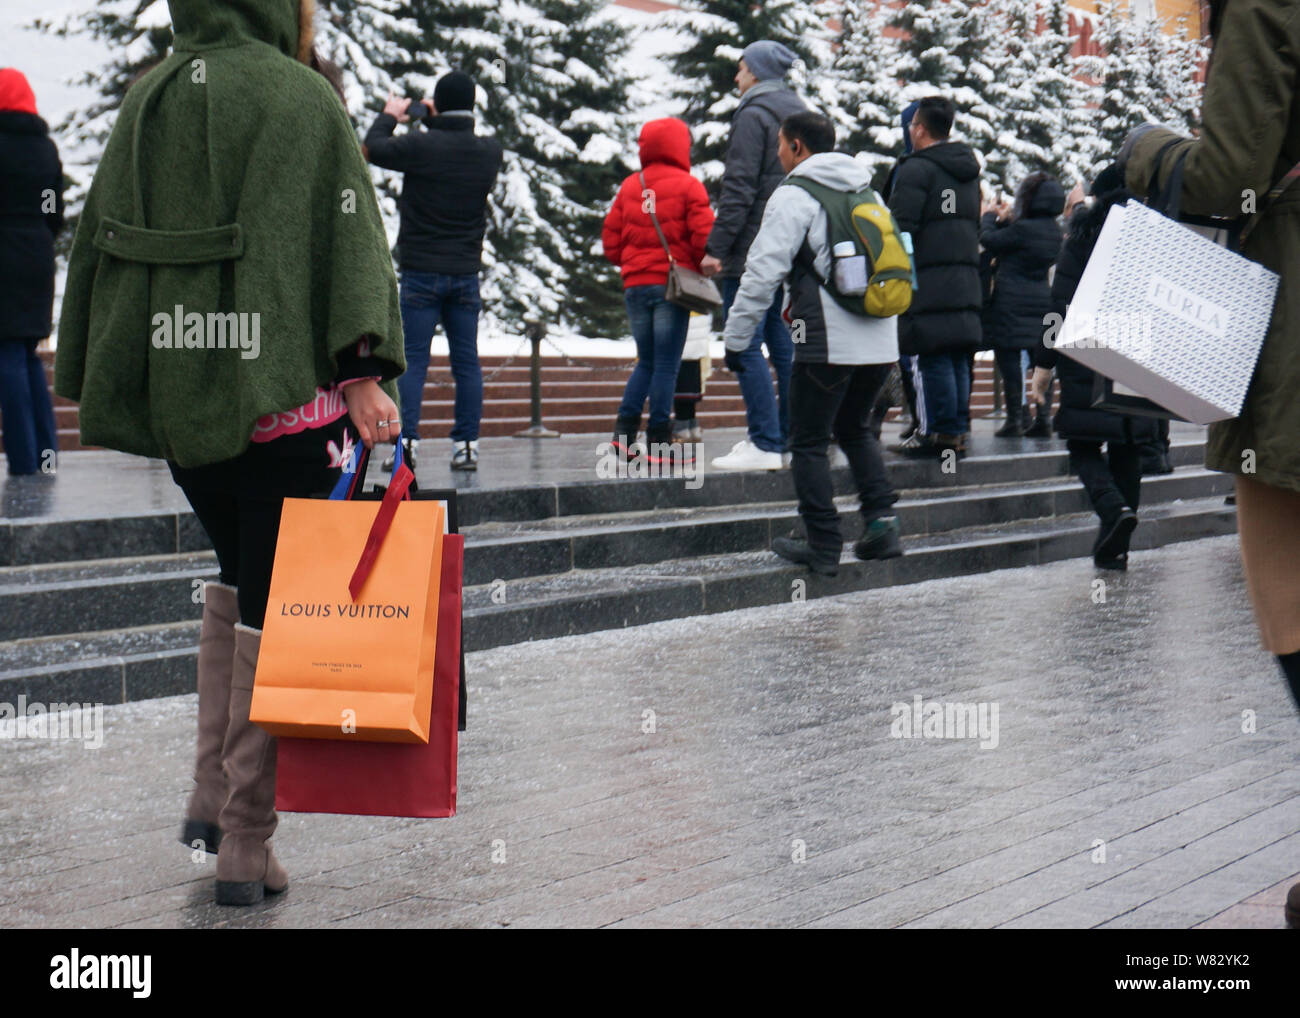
(631, 242)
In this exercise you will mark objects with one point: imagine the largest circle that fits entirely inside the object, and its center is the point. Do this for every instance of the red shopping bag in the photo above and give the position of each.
(388, 778)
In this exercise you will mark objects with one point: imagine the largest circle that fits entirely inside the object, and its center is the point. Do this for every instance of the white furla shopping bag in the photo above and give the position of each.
(1170, 315)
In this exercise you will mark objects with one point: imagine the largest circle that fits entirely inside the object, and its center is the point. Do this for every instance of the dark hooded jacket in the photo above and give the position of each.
(31, 212)
(1076, 418)
(681, 206)
(1025, 249)
(752, 173)
(935, 196)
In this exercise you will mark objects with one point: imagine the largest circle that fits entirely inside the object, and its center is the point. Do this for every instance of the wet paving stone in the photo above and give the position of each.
(773, 788)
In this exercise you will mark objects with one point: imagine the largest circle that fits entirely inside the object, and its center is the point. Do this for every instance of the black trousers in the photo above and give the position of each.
(238, 503)
(828, 399)
(1013, 378)
(687, 392)
(1112, 482)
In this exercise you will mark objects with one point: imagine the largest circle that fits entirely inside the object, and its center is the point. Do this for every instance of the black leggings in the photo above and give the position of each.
(243, 532)
(238, 504)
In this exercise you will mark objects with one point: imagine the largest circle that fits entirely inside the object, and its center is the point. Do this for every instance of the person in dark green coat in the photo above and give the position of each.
(232, 308)
(1249, 141)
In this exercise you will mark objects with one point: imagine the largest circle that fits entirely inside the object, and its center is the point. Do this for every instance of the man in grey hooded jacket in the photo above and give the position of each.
(841, 359)
(751, 175)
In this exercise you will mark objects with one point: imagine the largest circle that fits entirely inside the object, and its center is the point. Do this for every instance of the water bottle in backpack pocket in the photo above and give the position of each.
(871, 263)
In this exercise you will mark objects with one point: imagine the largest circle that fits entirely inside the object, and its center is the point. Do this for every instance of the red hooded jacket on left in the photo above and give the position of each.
(680, 202)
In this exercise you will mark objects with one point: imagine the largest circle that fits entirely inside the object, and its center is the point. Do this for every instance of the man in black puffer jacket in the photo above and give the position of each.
(449, 172)
(935, 196)
(1026, 245)
(1113, 483)
(31, 213)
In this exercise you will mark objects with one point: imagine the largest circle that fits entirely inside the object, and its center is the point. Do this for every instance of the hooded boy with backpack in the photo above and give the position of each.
(826, 235)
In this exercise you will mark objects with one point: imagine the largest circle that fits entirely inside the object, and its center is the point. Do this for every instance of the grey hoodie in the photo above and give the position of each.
(830, 334)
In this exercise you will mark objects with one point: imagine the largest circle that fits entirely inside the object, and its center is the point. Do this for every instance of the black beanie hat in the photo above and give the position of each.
(454, 91)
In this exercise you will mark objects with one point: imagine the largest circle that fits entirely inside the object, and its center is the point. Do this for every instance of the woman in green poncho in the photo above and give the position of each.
(231, 308)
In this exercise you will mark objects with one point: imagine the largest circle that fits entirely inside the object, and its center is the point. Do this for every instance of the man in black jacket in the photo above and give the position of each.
(935, 196)
(31, 213)
(752, 173)
(449, 171)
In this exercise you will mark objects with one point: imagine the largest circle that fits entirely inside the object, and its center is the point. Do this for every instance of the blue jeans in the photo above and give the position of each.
(659, 329)
(427, 298)
(945, 382)
(768, 416)
(28, 414)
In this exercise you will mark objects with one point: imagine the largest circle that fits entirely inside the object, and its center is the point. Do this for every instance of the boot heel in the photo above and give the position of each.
(209, 835)
(236, 892)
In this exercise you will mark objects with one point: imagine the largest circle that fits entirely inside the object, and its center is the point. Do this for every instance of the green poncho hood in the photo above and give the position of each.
(232, 200)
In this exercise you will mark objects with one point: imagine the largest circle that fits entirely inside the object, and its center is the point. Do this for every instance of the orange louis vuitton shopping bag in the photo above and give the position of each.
(351, 622)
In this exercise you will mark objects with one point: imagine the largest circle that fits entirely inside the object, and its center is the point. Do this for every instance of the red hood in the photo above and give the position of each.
(666, 141)
(15, 94)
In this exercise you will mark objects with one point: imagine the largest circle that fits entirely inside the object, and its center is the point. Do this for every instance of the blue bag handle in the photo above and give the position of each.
(349, 482)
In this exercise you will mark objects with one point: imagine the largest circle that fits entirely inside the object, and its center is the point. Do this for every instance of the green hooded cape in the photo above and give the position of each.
(232, 182)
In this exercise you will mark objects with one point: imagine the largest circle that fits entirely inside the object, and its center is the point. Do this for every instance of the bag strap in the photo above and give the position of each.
(823, 195)
(399, 488)
(655, 219)
(1170, 200)
(1167, 201)
(1274, 193)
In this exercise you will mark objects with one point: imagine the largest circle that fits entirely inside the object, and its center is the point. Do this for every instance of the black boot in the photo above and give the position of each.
(625, 429)
(1042, 426)
(1013, 428)
(794, 549)
(1110, 551)
(660, 447)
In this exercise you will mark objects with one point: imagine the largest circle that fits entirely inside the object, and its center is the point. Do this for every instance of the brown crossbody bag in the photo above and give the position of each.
(686, 287)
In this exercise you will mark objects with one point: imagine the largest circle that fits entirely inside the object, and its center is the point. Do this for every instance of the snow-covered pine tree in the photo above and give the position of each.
(557, 100)
(714, 33)
(943, 51)
(1144, 77)
(1174, 86)
(1040, 101)
(554, 96)
(859, 89)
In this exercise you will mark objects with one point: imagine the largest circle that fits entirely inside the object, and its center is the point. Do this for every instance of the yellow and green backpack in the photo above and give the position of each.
(862, 219)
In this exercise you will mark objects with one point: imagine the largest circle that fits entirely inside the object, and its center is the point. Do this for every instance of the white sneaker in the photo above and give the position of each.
(745, 455)
(786, 459)
(464, 455)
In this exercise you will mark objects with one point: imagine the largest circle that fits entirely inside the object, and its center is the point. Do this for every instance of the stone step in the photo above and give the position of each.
(507, 551)
(590, 600)
(108, 594)
(102, 594)
(158, 660)
(27, 541)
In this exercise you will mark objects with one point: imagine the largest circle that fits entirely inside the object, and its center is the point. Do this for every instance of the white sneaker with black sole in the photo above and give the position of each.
(464, 455)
